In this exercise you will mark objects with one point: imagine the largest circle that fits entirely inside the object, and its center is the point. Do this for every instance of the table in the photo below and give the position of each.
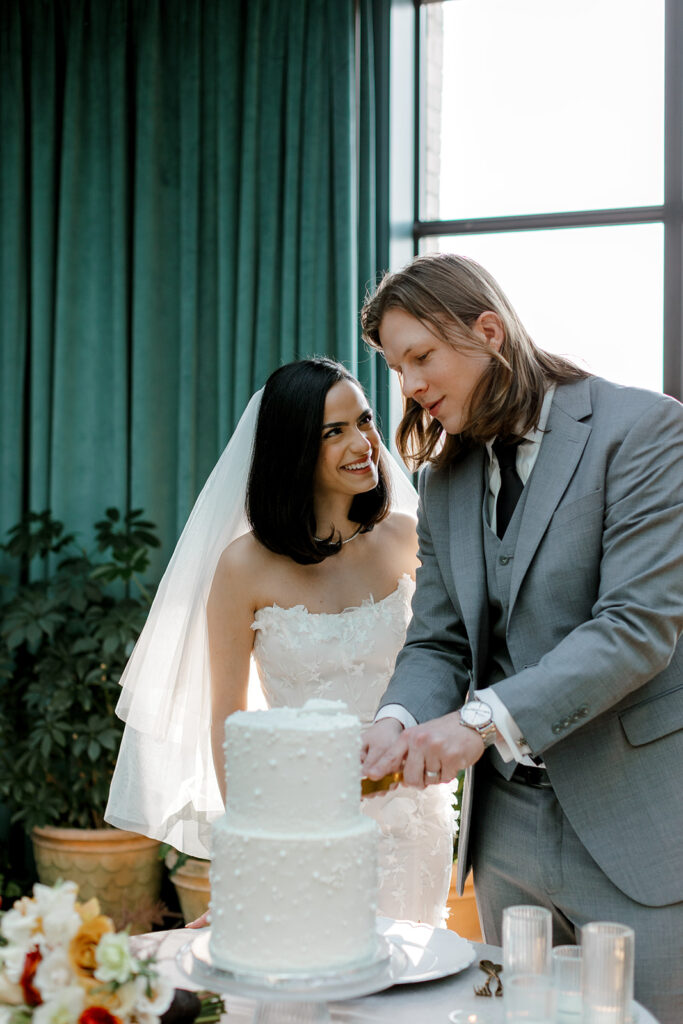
(440, 1001)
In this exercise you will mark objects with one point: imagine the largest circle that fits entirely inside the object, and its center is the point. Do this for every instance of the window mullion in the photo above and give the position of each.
(673, 197)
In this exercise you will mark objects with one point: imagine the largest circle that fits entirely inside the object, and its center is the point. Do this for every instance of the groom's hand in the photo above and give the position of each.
(437, 750)
(383, 748)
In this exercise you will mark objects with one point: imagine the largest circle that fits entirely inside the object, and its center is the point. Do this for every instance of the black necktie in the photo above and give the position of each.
(510, 485)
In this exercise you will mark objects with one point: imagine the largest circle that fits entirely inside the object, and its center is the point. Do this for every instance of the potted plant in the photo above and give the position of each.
(190, 876)
(66, 633)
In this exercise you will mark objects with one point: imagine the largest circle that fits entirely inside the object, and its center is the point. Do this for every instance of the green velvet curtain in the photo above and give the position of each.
(188, 198)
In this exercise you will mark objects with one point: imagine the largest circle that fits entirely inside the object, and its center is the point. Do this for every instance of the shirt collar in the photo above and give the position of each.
(534, 436)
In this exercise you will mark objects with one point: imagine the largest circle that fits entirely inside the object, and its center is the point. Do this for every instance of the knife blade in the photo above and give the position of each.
(368, 786)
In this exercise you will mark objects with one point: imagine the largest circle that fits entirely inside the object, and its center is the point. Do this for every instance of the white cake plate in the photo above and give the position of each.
(292, 997)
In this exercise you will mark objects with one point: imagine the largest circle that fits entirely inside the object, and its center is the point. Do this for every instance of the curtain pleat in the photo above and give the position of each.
(373, 183)
(89, 415)
(183, 207)
(15, 311)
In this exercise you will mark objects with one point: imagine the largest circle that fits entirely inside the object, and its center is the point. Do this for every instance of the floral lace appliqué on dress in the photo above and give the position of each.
(350, 656)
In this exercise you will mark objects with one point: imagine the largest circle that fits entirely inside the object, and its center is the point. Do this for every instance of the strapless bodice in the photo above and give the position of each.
(346, 655)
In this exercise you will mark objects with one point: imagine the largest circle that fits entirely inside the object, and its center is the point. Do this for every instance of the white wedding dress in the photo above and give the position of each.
(350, 656)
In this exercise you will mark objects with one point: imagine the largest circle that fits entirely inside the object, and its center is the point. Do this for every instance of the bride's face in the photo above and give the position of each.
(349, 446)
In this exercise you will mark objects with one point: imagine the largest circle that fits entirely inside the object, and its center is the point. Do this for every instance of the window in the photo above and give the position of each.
(546, 144)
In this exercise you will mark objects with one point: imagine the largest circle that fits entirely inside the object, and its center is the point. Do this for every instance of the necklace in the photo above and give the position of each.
(320, 540)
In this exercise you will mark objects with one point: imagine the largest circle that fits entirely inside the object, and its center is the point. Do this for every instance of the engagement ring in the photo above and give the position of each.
(432, 775)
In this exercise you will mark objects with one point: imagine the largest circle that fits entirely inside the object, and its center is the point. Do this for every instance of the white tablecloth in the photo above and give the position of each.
(430, 1001)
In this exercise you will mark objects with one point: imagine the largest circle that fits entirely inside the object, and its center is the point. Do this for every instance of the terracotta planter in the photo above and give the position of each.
(121, 868)
(192, 885)
(463, 917)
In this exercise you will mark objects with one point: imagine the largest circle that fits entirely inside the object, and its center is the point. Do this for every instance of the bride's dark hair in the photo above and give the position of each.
(286, 446)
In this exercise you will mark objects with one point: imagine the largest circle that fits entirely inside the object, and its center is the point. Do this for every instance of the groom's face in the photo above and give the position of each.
(438, 376)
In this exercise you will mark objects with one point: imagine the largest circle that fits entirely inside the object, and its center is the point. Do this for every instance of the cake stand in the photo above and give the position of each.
(282, 998)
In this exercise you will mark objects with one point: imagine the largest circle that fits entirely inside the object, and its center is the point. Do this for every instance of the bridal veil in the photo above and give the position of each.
(164, 784)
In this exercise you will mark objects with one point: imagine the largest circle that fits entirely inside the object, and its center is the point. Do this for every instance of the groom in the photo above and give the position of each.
(545, 641)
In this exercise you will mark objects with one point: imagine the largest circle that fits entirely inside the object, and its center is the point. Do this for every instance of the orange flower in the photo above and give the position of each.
(97, 1015)
(84, 943)
(32, 996)
(89, 910)
(119, 1001)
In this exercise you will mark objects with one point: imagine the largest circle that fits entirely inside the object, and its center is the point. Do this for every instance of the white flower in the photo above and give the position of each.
(125, 996)
(55, 905)
(157, 1002)
(12, 958)
(47, 895)
(146, 1018)
(114, 959)
(10, 993)
(5, 1013)
(64, 1008)
(19, 924)
(54, 973)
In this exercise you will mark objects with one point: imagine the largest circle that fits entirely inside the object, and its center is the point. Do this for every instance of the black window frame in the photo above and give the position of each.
(405, 178)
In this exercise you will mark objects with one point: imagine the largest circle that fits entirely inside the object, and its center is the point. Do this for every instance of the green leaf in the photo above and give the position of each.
(104, 572)
(150, 539)
(84, 644)
(109, 740)
(33, 633)
(59, 737)
(14, 638)
(110, 644)
(94, 750)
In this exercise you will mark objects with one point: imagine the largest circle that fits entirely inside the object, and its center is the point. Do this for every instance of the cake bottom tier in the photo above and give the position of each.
(301, 904)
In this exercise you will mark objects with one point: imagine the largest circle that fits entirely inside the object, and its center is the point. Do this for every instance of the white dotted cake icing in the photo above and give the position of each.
(294, 861)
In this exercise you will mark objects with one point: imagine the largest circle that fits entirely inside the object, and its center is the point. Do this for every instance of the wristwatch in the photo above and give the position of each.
(477, 715)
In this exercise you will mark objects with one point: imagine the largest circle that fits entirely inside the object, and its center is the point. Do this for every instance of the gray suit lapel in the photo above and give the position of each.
(466, 494)
(557, 460)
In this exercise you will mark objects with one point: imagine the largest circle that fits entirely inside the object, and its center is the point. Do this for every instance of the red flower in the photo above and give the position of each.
(97, 1015)
(32, 996)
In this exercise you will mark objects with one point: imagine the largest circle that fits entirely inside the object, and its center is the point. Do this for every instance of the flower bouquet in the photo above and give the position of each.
(62, 962)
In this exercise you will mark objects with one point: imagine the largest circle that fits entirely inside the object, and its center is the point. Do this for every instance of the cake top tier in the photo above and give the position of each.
(293, 771)
(314, 715)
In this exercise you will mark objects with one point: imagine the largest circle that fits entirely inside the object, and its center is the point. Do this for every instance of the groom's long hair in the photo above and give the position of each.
(280, 489)
(447, 293)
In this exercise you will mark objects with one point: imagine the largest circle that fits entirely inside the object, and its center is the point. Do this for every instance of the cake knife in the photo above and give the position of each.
(368, 786)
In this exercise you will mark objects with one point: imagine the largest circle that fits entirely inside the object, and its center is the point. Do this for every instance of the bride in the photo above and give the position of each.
(316, 588)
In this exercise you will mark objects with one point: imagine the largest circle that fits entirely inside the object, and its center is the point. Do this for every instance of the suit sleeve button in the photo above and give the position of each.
(556, 727)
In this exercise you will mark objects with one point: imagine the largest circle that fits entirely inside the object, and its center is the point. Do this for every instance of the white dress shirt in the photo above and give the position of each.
(510, 744)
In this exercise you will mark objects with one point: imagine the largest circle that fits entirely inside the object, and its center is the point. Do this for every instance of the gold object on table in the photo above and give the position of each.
(492, 970)
(368, 786)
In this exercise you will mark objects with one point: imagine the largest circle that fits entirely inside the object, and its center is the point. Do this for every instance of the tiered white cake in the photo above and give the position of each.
(294, 861)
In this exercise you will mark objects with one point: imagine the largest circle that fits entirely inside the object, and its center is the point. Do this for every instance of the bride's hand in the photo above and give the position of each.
(384, 748)
(200, 922)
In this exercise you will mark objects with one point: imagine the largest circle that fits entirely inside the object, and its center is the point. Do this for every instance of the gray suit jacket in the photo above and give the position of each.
(596, 613)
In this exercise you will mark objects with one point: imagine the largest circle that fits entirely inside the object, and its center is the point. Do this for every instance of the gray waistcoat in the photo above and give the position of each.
(499, 555)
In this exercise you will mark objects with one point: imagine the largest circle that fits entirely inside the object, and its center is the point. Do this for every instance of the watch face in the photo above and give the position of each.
(476, 713)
